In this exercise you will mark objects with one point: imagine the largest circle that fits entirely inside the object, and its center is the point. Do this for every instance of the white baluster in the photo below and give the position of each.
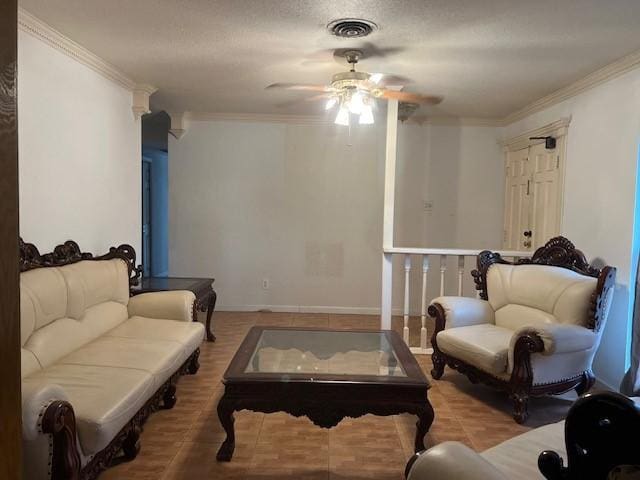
(423, 310)
(443, 269)
(407, 270)
(460, 273)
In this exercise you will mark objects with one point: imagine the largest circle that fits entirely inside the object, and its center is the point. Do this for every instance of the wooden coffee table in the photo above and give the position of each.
(326, 375)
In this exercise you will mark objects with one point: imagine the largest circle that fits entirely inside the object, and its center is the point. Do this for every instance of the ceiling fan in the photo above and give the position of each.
(354, 92)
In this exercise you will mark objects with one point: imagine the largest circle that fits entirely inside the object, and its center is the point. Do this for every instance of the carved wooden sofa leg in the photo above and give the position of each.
(437, 358)
(169, 397)
(59, 420)
(131, 444)
(588, 380)
(194, 363)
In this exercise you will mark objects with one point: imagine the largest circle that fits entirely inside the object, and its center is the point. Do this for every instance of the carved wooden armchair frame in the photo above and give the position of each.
(558, 252)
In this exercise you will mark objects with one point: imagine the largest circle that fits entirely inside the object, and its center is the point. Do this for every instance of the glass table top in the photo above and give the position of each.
(290, 351)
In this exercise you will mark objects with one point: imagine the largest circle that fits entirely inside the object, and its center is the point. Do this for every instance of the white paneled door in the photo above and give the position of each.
(533, 197)
(516, 217)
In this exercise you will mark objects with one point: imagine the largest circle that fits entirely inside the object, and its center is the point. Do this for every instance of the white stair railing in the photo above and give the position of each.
(425, 254)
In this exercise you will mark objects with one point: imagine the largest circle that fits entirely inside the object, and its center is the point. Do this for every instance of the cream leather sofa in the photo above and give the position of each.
(95, 362)
(535, 328)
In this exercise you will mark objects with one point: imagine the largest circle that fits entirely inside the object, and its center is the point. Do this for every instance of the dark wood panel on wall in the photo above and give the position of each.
(10, 416)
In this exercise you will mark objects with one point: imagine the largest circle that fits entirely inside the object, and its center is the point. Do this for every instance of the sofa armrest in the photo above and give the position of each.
(49, 437)
(462, 311)
(452, 461)
(36, 397)
(171, 305)
(559, 338)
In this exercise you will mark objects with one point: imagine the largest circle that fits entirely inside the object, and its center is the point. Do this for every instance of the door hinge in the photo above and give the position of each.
(528, 182)
(558, 162)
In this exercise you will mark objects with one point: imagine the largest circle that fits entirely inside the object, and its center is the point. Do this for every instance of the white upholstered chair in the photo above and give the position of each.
(535, 328)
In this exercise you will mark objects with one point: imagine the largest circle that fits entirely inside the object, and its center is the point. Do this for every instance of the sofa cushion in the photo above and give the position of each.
(92, 282)
(484, 346)
(61, 337)
(43, 299)
(560, 292)
(104, 398)
(160, 358)
(188, 334)
(517, 458)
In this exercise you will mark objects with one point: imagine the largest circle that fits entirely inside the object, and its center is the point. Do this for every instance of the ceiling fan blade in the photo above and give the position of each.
(388, 79)
(301, 86)
(411, 97)
(298, 101)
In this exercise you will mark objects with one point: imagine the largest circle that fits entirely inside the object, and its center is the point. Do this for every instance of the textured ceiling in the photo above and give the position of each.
(486, 57)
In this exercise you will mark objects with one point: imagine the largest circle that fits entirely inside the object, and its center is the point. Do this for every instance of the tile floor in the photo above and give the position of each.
(182, 443)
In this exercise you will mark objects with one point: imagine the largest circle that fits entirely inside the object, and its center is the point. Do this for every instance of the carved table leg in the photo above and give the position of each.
(210, 307)
(425, 419)
(225, 414)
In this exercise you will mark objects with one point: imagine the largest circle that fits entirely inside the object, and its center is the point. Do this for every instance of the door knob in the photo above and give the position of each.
(527, 233)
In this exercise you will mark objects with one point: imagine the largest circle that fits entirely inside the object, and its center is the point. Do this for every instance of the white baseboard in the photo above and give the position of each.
(308, 309)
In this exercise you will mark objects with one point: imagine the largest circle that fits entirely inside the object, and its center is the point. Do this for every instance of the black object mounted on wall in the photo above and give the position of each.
(549, 142)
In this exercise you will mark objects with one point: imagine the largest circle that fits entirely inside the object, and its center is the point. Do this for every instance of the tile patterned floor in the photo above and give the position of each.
(180, 444)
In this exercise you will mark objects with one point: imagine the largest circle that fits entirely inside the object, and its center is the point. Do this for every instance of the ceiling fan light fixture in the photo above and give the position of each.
(331, 103)
(356, 103)
(343, 116)
(366, 116)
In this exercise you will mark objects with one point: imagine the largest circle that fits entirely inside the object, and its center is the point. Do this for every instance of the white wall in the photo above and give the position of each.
(600, 189)
(79, 153)
(300, 206)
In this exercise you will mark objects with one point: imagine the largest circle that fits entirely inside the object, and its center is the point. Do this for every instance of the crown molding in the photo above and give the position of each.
(457, 121)
(141, 94)
(259, 118)
(600, 76)
(32, 25)
(557, 129)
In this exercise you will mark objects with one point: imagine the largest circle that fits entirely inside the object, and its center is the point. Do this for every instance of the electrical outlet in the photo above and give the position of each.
(265, 284)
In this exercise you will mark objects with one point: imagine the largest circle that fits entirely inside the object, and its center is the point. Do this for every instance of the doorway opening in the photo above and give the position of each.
(155, 195)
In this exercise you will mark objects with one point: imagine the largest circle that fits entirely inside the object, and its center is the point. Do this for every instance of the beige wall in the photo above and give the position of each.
(600, 195)
(79, 153)
(299, 205)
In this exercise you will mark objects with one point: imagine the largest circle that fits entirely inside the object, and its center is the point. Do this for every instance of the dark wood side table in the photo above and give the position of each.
(201, 287)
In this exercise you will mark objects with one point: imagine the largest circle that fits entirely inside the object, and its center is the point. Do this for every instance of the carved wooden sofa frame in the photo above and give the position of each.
(558, 252)
(58, 419)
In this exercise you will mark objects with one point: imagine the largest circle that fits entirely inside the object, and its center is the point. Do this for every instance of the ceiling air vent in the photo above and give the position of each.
(351, 27)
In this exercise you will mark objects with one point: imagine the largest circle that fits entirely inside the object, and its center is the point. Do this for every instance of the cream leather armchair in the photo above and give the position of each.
(535, 328)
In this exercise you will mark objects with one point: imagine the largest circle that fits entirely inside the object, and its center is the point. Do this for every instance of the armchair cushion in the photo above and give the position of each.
(463, 311)
(558, 291)
(485, 346)
(172, 305)
(453, 461)
(514, 317)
